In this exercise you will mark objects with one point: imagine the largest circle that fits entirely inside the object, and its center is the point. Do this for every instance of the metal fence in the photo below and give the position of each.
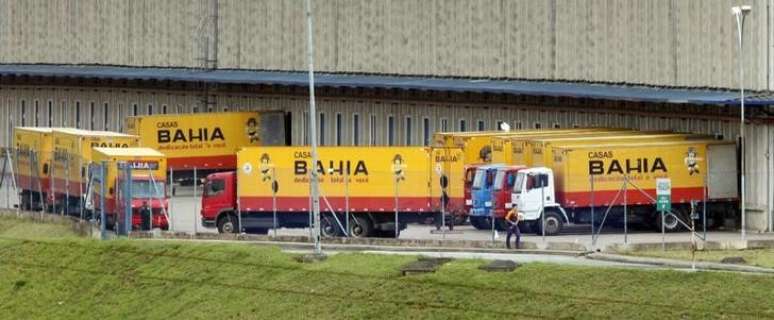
(64, 184)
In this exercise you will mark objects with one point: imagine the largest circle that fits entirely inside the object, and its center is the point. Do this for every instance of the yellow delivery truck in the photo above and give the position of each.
(146, 194)
(207, 141)
(582, 177)
(72, 154)
(34, 149)
(373, 184)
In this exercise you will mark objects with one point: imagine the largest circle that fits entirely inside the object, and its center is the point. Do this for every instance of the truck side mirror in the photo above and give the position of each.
(511, 180)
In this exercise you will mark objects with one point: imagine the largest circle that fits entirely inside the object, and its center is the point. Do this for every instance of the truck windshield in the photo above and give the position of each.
(144, 189)
(214, 187)
(479, 179)
(519, 184)
(499, 179)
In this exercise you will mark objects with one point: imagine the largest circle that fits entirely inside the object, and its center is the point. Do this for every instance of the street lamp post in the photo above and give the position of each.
(740, 13)
(313, 133)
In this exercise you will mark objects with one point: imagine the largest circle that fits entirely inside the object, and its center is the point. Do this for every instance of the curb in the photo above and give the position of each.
(360, 247)
(402, 244)
(678, 264)
(686, 245)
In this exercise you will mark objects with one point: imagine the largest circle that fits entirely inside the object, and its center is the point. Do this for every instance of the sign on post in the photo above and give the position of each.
(663, 194)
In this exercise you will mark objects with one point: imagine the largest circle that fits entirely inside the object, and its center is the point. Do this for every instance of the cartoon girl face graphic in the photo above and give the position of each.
(692, 161)
(265, 167)
(252, 130)
(397, 168)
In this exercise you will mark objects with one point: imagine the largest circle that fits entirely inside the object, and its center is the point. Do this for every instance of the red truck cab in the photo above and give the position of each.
(219, 202)
(146, 195)
(470, 173)
(503, 188)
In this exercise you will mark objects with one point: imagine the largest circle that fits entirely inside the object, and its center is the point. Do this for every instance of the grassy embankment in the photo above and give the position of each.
(47, 273)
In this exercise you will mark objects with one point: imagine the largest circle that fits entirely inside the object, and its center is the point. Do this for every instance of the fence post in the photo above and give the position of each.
(543, 210)
(128, 199)
(626, 212)
(397, 227)
(346, 202)
(593, 238)
(704, 209)
(52, 184)
(15, 182)
(66, 209)
(102, 218)
(171, 191)
(29, 178)
(40, 185)
(196, 201)
(274, 185)
(81, 172)
(3, 179)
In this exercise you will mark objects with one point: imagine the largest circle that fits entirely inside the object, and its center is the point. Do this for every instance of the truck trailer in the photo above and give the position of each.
(33, 150)
(481, 147)
(539, 152)
(371, 183)
(582, 177)
(503, 147)
(147, 188)
(72, 154)
(207, 141)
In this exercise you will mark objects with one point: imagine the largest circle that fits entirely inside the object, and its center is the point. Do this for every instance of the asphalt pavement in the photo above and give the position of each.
(184, 207)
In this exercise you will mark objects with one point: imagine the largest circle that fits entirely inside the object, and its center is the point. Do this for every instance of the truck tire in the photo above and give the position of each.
(554, 224)
(328, 227)
(227, 224)
(360, 227)
(476, 223)
(460, 219)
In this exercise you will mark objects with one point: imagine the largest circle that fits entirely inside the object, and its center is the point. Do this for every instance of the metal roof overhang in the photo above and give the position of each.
(287, 78)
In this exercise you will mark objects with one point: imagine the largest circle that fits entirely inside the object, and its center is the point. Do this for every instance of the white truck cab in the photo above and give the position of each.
(532, 184)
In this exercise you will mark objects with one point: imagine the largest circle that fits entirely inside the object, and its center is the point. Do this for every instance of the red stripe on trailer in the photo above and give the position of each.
(633, 196)
(372, 204)
(59, 187)
(24, 182)
(209, 162)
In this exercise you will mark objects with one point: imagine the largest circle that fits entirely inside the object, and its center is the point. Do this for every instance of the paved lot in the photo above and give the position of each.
(184, 206)
(184, 220)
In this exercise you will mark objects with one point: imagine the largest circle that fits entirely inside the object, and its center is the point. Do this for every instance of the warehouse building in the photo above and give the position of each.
(394, 72)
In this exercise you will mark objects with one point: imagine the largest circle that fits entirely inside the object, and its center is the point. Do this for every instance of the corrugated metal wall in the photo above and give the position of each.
(372, 116)
(656, 42)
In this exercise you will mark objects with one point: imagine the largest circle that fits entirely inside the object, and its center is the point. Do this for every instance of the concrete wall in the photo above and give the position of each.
(656, 42)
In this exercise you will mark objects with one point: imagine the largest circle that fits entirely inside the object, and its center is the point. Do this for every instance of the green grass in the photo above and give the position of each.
(17, 228)
(88, 279)
(758, 257)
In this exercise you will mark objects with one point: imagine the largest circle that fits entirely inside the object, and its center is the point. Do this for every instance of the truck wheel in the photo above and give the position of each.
(460, 219)
(474, 223)
(554, 224)
(227, 224)
(360, 227)
(328, 227)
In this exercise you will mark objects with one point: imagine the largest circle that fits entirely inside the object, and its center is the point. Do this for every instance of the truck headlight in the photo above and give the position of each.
(488, 203)
(469, 202)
